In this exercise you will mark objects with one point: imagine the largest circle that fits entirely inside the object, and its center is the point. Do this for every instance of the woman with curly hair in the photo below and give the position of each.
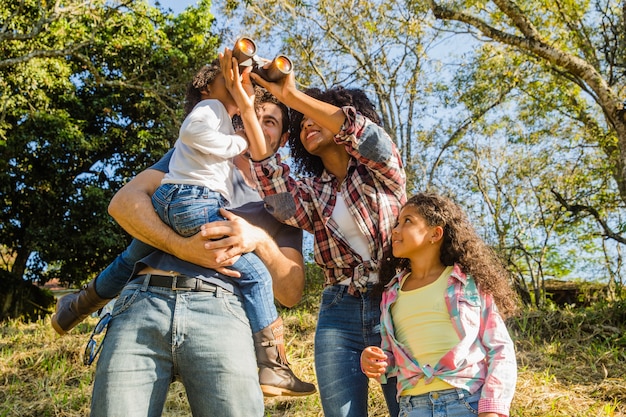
(445, 298)
(351, 192)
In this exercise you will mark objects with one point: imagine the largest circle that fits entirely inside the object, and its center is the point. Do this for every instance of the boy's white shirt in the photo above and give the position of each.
(206, 144)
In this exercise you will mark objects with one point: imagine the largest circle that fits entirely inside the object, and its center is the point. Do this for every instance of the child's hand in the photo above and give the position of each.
(238, 84)
(373, 362)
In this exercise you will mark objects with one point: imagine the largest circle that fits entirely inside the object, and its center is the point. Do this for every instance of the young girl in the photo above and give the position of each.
(443, 333)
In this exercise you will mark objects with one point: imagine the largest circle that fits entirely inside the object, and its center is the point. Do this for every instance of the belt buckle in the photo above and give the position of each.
(174, 282)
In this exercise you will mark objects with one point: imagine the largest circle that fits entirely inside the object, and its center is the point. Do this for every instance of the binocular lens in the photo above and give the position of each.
(283, 64)
(246, 46)
(245, 54)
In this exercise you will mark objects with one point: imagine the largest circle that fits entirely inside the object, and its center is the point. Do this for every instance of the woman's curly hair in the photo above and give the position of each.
(462, 245)
(203, 78)
(311, 165)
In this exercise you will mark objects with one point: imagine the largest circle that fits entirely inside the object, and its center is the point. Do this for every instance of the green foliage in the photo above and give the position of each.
(486, 119)
(523, 132)
(92, 94)
(518, 123)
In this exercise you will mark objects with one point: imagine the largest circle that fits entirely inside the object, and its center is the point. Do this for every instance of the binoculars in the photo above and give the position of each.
(245, 53)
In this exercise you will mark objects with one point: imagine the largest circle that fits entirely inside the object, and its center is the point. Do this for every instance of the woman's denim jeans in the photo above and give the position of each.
(157, 335)
(346, 325)
(448, 403)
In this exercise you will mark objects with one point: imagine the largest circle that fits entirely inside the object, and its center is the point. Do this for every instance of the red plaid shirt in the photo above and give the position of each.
(374, 191)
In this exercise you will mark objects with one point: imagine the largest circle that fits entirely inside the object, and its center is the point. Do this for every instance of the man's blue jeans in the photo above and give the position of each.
(187, 207)
(346, 325)
(156, 335)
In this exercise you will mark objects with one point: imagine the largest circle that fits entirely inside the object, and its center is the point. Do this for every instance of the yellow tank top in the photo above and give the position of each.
(421, 322)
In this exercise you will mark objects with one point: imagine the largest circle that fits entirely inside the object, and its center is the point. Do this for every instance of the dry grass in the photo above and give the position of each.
(572, 363)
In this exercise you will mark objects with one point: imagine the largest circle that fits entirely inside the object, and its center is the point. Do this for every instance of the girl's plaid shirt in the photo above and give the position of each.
(483, 358)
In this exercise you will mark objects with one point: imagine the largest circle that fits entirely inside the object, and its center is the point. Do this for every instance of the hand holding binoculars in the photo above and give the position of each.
(245, 53)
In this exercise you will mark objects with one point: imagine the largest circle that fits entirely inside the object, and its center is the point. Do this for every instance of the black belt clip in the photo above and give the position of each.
(179, 283)
(174, 287)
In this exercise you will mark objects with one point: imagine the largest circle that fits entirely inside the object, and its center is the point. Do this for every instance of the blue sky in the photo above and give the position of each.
(176, 5)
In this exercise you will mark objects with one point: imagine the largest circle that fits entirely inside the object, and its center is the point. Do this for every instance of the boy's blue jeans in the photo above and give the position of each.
(110, 282)
(185, 208)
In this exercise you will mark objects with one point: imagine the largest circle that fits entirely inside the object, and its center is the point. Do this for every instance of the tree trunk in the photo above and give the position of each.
(22, 299)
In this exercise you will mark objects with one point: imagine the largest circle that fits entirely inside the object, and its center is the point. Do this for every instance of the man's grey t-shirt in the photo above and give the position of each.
(245, 203)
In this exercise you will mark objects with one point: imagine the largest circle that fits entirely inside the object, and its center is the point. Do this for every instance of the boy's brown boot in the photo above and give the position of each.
(275, 376)
(74, 308)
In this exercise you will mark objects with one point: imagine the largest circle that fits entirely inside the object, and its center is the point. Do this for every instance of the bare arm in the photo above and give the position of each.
(242, 91)
(325, 114)
(287, 270)
(132, 208)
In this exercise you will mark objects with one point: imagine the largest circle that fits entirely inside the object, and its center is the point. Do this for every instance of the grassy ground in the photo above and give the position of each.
(571, 363)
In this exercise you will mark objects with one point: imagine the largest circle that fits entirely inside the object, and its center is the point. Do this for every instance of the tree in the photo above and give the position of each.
(92, 94)
(378, 46)
(533, 142)
(455, 98)
(509, 199)
(581, 44)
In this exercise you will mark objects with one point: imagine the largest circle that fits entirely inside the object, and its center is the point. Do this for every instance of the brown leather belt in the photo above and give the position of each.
(176, 282)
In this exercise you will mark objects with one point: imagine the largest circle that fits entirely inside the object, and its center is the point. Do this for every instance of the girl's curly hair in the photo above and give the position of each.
(311, 165)
(203, 78)
(462, 245)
